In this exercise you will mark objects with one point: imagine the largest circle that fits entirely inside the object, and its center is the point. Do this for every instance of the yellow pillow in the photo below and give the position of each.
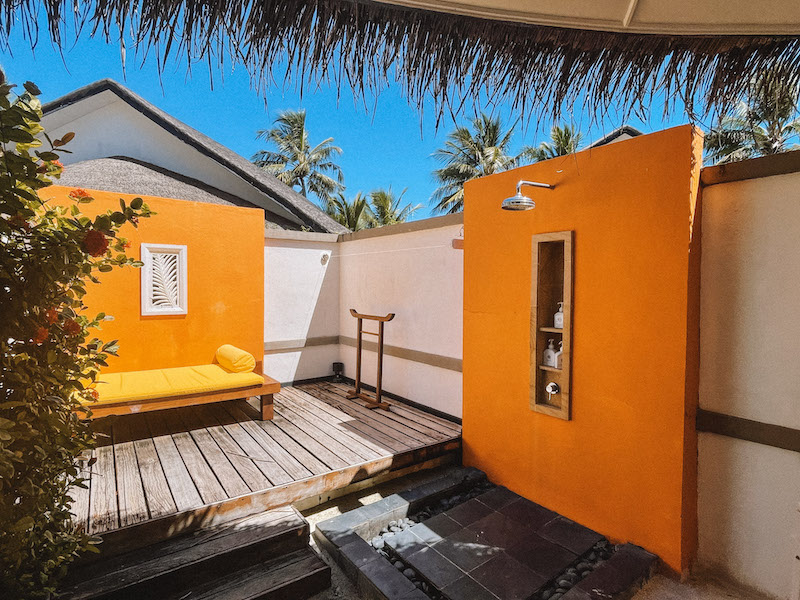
(235, 359)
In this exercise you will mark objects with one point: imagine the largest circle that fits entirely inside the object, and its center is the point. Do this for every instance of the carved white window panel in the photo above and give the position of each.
(164, 288)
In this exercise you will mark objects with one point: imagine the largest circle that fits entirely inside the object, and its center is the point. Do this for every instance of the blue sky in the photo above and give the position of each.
(384, 144)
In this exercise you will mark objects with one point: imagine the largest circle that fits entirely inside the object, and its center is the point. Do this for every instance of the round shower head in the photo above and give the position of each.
(518, 202)
(521, 202)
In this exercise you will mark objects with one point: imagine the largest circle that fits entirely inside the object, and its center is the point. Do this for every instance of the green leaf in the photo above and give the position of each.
(105, 268)
(136, 203)
(23, 524)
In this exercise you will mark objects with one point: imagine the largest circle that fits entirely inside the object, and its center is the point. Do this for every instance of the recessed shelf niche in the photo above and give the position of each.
(551, 283)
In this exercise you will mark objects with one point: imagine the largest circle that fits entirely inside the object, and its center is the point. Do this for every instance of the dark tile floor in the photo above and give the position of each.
(496, 546)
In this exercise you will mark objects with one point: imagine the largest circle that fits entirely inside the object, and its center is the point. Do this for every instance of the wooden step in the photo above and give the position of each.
(157, 571)
(294, 576)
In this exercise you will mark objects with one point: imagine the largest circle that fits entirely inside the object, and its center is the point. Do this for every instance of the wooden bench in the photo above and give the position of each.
(236, 375)
(121, 407)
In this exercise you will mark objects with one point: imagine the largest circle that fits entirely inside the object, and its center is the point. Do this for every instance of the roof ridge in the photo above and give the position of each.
(268, 184)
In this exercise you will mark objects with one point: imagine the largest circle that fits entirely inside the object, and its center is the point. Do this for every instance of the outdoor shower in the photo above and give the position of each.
(521, 202)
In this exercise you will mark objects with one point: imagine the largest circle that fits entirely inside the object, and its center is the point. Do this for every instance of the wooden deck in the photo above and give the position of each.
(160, 473)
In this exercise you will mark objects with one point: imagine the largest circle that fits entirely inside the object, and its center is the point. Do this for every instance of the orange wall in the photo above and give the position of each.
(225, 255)
(625, 464)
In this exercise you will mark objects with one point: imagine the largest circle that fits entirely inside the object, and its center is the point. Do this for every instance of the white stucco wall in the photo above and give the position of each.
(750, 341)
(418, 275)
(301, 302)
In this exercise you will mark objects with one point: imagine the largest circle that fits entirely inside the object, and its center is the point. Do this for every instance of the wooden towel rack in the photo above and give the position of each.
(371, 402)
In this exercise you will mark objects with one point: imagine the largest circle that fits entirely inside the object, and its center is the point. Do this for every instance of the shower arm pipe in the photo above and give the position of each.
(538, 184)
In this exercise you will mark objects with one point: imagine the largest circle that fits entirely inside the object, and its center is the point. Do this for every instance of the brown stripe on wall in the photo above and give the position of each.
(752, 431)
(427, 358)
(434, 360)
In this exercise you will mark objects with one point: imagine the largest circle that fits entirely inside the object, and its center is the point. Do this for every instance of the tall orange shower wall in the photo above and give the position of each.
(625, 464)
(225, 258)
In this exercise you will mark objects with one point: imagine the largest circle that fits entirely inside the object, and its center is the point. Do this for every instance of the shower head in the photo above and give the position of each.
(519, 201)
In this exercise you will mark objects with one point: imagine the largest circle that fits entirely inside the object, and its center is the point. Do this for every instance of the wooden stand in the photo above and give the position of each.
(357, 393)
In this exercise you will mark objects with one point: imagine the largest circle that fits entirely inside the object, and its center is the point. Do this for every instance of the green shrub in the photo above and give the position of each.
(48, 254)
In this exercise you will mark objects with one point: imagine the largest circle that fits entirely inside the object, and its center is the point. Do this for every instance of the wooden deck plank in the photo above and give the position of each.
(103, 514)
(252, 449)
(313, 447)
(358, 444)
(156, 488)
(202, 475)
(186, 459)
(398, 413)
(130, 490)
(244, 466)
(380, 417)
(351, 422)
(226, 473)
(181, 486)
(277, 448)
(368, 420)
(81, 499)
(415, 414)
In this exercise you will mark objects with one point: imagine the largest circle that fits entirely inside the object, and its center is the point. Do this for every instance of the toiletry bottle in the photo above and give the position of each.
(549, 358)
(558, 319)
(559, 362)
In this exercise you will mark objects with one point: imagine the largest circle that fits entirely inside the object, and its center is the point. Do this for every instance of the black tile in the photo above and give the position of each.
(498, 497)
(542, 556)
(466, 549)
(604, 582)
(632, 562)
(528, 513)
(417, 594)
(355, 555)
(383, 576)
(339, 530)
(468, 512)
(405, 543)
(508, 579)
(436, 528)
(434, 567)
(500, 530)
(577, 594)
(570, 535)
(467, 588)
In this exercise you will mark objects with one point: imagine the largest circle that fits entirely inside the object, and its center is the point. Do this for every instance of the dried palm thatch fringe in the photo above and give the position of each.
(433, 56)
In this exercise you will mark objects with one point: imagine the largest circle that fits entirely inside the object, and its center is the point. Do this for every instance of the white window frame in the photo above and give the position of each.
(147, 252)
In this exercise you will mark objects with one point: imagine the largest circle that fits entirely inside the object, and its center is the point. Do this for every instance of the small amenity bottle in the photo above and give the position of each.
(558, 319)
(549, 358)
(559, 362)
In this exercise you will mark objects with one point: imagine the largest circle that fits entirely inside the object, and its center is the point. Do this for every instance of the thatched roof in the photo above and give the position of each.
(266, 183)
(439, 55)
(125, 175)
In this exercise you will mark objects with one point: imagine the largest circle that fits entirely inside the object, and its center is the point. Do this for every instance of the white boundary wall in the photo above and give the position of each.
(410, 269)
(749, 350)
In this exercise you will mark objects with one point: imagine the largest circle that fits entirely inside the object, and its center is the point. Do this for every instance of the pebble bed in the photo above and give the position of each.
(587, 563)
(560, 585)
(428, 511)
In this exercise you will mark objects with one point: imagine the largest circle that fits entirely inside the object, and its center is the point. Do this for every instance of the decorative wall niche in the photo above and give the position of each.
(551, 286)
(164, 287)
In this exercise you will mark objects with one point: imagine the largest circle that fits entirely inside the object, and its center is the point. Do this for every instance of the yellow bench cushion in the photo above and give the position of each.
(164, 383)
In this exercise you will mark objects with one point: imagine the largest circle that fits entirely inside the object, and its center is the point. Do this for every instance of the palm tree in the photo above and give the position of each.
(354, 215)
(468, 154)
(386, 207)
(296, 162)
(764, 122)
(563, 140)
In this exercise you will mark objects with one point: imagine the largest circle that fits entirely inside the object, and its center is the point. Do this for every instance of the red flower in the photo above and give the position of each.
(51, 315)
(60, 165)
(126, 245)
(93, 393)
(72, 327)
(41, 335)
(19, 221)
(95, 243)
(79, 194)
